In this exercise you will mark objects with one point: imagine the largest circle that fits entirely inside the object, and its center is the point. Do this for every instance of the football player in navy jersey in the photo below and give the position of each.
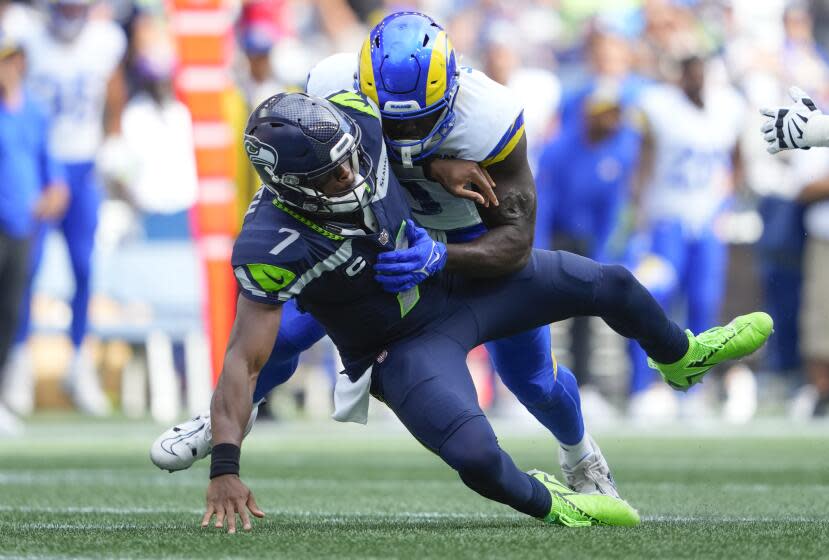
(330, 207)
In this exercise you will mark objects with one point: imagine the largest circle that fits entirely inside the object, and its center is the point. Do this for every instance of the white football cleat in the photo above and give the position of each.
(184, 444)
(10, 425)
(740, 394)
(654, 405)
(18, 389)
(591, 475)
(83, 386)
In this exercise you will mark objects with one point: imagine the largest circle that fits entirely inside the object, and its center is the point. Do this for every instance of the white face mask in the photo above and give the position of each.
(351, 201)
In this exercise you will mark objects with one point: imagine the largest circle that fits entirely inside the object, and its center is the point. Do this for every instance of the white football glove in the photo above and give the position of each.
(799, 126)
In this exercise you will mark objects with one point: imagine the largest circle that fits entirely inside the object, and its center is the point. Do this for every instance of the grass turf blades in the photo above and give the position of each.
(79, 488)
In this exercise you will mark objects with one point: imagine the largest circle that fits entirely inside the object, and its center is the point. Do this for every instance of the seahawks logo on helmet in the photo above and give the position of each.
(262, 156)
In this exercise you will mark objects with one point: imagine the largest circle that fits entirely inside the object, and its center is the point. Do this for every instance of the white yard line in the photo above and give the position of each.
(346, 517)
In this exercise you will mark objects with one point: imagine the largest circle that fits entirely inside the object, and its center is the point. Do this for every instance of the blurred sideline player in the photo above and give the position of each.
(803, 126)
(446, 111)
(31, 188)
(75, 72)
(331, 228)
(583, 179)
(687, 172)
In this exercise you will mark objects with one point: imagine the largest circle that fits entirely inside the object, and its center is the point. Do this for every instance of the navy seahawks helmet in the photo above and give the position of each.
(296, 142)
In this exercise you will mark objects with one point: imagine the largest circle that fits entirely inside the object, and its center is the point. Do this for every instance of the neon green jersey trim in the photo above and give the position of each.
(355, 101)
(269, 277)
(300, 218)
(410, 297)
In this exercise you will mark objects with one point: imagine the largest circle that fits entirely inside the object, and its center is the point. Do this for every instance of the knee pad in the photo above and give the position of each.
(615, 286)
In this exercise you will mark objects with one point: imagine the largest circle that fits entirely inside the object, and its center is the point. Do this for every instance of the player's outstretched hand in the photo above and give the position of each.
(455, 175)
(403, 269)
(227, 496)
(793, 127)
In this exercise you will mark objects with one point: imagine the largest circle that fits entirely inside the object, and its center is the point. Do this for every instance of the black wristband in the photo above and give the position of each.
(224, 459)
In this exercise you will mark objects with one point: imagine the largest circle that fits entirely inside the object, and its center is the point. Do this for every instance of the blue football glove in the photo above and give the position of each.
(403, 269)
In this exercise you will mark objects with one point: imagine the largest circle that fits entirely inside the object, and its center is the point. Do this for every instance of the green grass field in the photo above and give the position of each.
(79, 488)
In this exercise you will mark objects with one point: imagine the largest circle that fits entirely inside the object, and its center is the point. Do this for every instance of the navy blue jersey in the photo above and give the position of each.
(281, 254)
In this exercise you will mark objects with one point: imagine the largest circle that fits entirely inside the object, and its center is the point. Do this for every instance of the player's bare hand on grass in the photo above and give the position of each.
(455, 175)
(227, 496)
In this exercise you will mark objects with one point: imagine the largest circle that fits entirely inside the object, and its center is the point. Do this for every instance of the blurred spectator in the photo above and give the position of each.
(672, 32)
(75, 70)
(538, 89)
(813, 175)
(688, 170)
(780, 248)
(803, 61)
(259, 82)
(156, 167)
(609, 59)
(583, 182)
(31, 189)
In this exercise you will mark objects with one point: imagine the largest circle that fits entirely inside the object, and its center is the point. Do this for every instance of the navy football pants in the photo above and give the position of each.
(424, 379)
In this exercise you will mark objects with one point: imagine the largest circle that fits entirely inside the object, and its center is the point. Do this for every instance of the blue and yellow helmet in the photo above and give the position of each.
(409, 68)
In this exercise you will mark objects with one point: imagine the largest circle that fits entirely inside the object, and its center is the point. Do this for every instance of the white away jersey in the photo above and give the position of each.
(488, 124)
(70, 80)
(692, 167)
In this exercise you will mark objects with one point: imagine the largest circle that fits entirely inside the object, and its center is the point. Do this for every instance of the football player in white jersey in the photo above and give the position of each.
(75, 72)
(687, 177)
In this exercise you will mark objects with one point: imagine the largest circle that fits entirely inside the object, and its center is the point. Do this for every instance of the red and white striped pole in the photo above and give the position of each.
(203, 31)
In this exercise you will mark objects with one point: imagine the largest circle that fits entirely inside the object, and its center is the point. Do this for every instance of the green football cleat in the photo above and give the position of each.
(737, 339)
(583, 510)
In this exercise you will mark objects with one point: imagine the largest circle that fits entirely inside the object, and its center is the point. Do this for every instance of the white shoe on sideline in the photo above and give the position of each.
(184, 444)
(591, 475)
(18, 390)
(596, 408)
(740, 394)
(10, 425)
(84, 387)
(657, 403)
(803, 405)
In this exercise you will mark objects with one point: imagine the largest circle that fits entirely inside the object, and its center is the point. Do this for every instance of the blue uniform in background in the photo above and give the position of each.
(70, 79)
(26, 167)
(582, 187)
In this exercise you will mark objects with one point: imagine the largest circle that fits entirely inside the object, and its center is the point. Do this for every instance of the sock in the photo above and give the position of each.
(473, 451)
(573, 454)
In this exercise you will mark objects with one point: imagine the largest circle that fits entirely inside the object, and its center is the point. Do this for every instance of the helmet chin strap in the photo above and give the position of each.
(406, 156)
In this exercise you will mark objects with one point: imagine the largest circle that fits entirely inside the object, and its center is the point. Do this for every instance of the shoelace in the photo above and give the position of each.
(711, 337)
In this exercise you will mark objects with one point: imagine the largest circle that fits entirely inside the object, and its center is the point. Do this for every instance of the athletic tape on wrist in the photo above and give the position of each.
(224, 459)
